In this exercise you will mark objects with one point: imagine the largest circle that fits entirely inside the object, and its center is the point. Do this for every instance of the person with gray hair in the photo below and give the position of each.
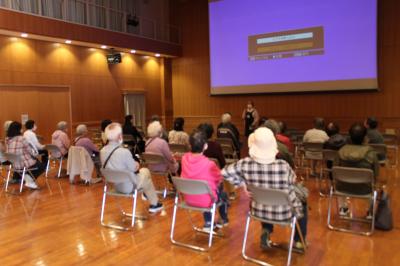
(61, 139)
(82, 140)
(228, 130)
(115, 157)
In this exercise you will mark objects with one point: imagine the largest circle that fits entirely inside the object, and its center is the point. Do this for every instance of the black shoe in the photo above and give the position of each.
(156, 208)
(265, 242)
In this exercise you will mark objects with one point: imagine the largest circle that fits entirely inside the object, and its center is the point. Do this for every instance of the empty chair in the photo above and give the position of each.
(229, 153)
(113, 177)
(313, 154)
(353, 183)
(330, 158)
(193, 187)
(54, 155)
(381, 151)
(150, 159)
(16, 159)
(271, 197)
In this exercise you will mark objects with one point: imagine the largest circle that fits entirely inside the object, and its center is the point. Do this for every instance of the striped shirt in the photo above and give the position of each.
(19, 145)
(276, 175)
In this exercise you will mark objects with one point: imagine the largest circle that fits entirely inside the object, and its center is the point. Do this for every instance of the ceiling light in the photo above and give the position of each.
(104, 47)
(24, 35)
(133, 51)
(68, 41)
(157, 55)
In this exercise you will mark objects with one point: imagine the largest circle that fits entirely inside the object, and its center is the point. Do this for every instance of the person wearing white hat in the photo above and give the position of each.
(263, 170)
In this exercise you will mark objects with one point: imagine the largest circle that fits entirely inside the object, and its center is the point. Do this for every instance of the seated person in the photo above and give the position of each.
(82, 140)
(263, 170)
(103, 126)
(228, 130)
(16, 144)
(164, 134)
(5, 127)
(336, 140)
(214, 149)
(115, 157)
(130, 129)
(316, 134)
(177, 135)
(61, 139)
(373, 134)
(32, 139)
(283, 138)
(198, 167)
(357, 155)
(155, 144)
(283, 152)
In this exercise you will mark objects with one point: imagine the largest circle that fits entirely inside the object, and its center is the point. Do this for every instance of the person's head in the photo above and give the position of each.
(128, 119)
(371, 123)
(113, 132)
(62, 125)
(207, 128)
(282, 127)
(226, 118)
(30, 125)
(198, 141)
(262, 121)
(179, 122)
(14, 129)
(357, 133)
(154, 129)
(263, 146)
(104, 124)
(332, 129)
(272, 125)
(7, 125)
(319, 123)
(155, 118)
(250, 105)
(81, 130)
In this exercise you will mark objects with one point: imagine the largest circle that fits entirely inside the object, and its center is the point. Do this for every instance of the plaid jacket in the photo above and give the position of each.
(276, 175)
(18, 145)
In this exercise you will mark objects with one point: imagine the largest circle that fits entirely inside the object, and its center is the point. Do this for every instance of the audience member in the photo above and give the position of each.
(16, 144)
(214, 149)
(32, 139)
(177, 135)
(155, 144)
(336, 140)
(316, 134)
(251, 118)
(357, 155)
(262, 169)
(103, 126)
(130, 129)
(226, 129)
(164, 134)
(82, 140)
(283, 138)
(61, 139)
(373, 134)
(262, 121)
(5, 127)
(196, 166)
(115, 157)
(283, 152)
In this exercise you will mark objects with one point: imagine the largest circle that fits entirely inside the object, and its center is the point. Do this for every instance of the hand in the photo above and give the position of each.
(247, 192)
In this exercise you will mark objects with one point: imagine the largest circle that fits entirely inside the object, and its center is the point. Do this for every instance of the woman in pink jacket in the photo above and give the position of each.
(198, 167)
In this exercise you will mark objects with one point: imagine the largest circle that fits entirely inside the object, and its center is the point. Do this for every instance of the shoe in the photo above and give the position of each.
(96, 180)
(344, 211)
(144, 197)
(207, 227)
(232, 196)
(156, 208)
(30, 183)
(369, 215)
(222, 223)
(298, 245)
(265, 242)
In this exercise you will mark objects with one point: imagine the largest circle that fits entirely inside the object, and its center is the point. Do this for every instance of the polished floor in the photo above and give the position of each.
(59, 225)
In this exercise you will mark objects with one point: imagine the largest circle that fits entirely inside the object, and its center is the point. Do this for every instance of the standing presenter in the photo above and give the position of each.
(250, 117)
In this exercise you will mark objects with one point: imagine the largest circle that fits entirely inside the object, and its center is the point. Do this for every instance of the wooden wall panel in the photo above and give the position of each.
(191, 79)
(96, 87)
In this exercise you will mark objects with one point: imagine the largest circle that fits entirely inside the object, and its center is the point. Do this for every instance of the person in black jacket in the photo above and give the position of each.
(130, 129)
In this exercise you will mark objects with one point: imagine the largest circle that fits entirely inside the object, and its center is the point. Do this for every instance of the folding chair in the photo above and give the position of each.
(313, 154)
(381, 151)
(113, 177)
(331, 156)
(229, 153)
(54, 155)
(392, 143)
(178, 148)
(356, 178)
(15, 159)
(271, 197)
(130, 143)
(193, 187)
(155, 159)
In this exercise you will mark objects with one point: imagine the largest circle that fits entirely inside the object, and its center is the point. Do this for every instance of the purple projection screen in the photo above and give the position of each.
(264, 46)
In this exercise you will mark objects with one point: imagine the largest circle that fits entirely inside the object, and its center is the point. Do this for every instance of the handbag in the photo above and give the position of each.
(384, 217)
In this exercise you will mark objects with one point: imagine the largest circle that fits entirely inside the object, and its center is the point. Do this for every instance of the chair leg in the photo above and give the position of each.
(8, 176)
(293, 225)
(373, 212)
(22, 180)
(134, 207)
(59, 167)
(212, 225)
(301, 236)
(103, 205)
(48, 166)
(174, 219)
(330, 208)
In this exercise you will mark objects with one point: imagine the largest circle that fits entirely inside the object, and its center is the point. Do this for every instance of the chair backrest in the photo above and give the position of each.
(152, 158)
(53, 150)
(114, 176)
(390, 139)
(225, 141)
(314, 147)
(192, 187)
(128, 138)
(179, 148)
(330, 155)
(267, 196)
(352, 175)
(379, 148)
(13, 158)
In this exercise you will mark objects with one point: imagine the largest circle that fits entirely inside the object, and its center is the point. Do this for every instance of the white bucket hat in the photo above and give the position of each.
(262, 146)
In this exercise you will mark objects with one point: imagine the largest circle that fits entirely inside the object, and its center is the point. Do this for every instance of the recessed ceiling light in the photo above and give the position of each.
(157, 55)
(104, 47)
(24, 35)
(68, 41)
(133, 51)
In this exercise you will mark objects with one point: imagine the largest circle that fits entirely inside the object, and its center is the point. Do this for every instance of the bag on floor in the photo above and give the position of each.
(384, 217)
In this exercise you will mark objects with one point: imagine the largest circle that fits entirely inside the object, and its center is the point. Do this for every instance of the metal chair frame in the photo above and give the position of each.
(353, 176)
(327, 155)
(13, 158)
(155, 158)
(53, 149)
(312, 153)
(271, 197)
(114, 177)
(381, 149)
(193, 187)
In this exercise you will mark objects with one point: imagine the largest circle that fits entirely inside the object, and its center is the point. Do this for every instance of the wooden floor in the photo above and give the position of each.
(59, 225)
